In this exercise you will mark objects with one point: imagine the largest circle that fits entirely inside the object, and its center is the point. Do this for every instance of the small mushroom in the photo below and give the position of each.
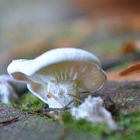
(7, 91)
(58, 76)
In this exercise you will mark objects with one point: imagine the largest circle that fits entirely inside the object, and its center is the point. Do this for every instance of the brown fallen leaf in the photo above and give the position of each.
(131, 47)
(134, 68)
(130, 74)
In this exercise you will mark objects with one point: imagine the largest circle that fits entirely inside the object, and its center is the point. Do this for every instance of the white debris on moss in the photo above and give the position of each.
(92, 110)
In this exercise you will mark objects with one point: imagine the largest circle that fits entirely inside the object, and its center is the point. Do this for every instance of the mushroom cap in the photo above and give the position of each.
(60, 65)
(52, 57)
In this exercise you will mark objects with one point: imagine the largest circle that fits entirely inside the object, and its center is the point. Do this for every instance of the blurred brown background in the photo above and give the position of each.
(30, 27)
(110, 7)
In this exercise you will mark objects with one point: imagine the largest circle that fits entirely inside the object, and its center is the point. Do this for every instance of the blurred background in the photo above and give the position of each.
(31, 27)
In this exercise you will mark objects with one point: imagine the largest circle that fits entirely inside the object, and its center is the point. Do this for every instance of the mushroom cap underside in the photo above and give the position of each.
(87, 76)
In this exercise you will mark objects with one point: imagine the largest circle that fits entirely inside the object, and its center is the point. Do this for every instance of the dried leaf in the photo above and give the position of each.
(131, 47)
(130, 70)
(129, 74)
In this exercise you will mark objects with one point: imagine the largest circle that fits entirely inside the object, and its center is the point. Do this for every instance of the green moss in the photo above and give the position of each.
(29, 102)
(131, 127)
(83, 125)
(130, 124)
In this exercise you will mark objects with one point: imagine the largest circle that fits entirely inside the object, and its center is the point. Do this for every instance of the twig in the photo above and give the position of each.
(7, 122)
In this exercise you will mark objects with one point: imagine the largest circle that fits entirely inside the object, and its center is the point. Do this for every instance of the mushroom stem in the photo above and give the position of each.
(64, 94)
(76, 99)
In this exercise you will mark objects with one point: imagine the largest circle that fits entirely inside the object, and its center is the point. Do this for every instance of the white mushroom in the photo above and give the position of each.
(7, 92)
(59, 75)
